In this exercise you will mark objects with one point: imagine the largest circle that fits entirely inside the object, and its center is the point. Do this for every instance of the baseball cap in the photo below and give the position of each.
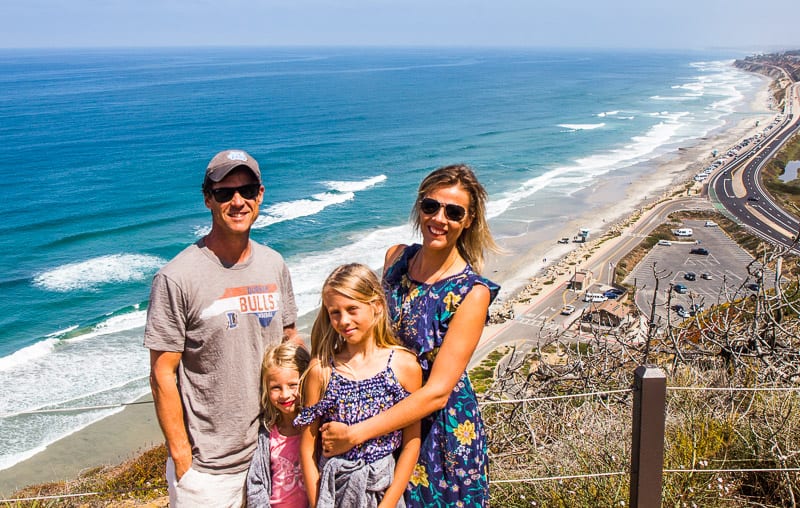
(228, 160)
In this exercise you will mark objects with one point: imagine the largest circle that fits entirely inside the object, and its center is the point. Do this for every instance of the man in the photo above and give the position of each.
(213, 310)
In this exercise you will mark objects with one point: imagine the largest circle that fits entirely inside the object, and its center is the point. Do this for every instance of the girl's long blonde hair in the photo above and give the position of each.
(475, 240)
(357, 282)
(288, 355)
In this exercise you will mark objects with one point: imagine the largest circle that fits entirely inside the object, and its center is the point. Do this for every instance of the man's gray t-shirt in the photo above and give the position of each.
(221, 319)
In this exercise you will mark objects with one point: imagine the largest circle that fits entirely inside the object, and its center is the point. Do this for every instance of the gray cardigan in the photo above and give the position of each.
(353, 483)
(259, 481)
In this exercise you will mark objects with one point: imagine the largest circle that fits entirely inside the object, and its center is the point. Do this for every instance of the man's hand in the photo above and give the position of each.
(182, 465)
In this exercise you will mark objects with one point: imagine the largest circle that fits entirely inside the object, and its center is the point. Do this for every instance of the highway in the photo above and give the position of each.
(737, 187)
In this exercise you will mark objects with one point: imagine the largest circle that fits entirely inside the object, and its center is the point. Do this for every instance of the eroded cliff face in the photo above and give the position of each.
(782, 68)
(770, 64)
(762, 68)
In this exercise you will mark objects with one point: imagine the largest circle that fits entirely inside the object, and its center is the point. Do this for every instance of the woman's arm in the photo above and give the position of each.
(457, 347)
(309, 458)
(409, 374)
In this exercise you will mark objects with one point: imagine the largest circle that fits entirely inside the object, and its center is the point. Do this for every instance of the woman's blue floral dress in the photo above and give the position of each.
(452, 467)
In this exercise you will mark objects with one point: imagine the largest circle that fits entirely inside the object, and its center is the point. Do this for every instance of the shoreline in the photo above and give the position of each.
(532, 256)
(110, 441)
(614, 200)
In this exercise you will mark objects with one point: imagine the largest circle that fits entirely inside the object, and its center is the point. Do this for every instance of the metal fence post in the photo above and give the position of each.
(647, 446)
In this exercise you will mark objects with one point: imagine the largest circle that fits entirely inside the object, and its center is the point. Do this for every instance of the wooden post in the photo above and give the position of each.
(647, 446)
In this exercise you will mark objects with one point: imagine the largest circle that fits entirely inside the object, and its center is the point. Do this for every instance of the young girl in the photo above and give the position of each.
(357, 371)
(275, 478)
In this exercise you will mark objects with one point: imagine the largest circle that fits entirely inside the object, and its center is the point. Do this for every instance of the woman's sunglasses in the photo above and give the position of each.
(430, 206)
(225, 194)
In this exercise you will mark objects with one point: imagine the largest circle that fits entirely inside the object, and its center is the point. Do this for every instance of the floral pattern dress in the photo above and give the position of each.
(453, 464)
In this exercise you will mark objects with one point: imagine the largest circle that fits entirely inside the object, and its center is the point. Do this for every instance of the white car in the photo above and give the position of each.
(665, 242)
(567, 309)
(710, 224)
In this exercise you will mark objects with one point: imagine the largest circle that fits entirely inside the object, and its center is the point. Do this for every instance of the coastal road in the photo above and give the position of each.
(738, 188)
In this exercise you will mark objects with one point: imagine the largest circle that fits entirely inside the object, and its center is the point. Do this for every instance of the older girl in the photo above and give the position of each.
(357, 371)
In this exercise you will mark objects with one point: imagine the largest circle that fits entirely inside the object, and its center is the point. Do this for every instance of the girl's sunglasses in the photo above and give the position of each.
(430, 206)
(225, 194)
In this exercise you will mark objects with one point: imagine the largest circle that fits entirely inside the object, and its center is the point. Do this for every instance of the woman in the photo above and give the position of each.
(438, 305)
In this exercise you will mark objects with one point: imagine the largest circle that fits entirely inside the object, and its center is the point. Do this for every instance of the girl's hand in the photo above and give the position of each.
(336, 439)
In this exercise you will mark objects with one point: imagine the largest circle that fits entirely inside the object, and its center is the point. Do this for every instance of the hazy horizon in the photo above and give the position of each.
(581, 24)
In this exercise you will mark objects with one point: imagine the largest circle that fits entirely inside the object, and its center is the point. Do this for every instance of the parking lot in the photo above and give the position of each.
(725, 265)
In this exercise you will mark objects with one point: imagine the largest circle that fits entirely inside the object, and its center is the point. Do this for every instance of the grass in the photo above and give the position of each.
(133, 483)
(482, 375)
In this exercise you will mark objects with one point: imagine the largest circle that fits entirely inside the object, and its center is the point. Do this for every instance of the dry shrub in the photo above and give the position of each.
(750, 342)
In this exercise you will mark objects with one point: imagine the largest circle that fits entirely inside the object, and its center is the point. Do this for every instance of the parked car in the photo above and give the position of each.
(666, 243)
(683, 313)
(594, 297)
(710, 224)
(613, 293)
(699, 250)
(706, 276)
(753, 286)
(690, 276)
(566, 310)
(680, 288)
(695, 308)
(564, 239)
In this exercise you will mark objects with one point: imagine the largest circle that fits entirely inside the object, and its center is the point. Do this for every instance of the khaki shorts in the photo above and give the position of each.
(204, 489)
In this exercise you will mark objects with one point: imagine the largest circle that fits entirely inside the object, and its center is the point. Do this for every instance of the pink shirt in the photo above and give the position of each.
(288, 490)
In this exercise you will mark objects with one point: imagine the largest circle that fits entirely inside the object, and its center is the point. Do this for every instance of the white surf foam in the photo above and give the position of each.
(347, 186)
(27, 354)
(581, 126)
(585, 170)
(289, 210)
(98, 271)
(116, 324)
(675, 98)
(341, 192)
(106, 365)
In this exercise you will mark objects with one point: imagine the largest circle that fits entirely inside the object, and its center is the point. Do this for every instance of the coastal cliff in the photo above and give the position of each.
(783, 68)
(773, 64)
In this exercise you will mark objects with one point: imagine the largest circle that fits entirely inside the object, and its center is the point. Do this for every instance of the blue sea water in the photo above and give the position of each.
(103, 152)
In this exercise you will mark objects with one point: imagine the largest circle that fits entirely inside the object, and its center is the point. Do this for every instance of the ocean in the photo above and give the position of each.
(103, 153)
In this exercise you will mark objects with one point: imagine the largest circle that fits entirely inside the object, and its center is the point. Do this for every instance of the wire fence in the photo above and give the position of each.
(516, 401)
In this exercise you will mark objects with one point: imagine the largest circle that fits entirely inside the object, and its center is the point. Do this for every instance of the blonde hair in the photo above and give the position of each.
(476, 239)
(288, 355)
(357, 282)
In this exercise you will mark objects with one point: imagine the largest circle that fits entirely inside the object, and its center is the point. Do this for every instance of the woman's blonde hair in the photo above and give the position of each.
(476, 239)
(357, 282)
(288, 355)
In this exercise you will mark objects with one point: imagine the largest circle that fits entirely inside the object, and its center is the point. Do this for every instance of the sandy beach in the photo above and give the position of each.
(532, 250)
(109, 441)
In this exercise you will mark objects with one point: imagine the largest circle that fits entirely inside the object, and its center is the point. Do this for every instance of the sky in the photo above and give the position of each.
(752, 26)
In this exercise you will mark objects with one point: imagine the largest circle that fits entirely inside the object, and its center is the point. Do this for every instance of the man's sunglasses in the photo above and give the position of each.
(225, 194)
(430, 206)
